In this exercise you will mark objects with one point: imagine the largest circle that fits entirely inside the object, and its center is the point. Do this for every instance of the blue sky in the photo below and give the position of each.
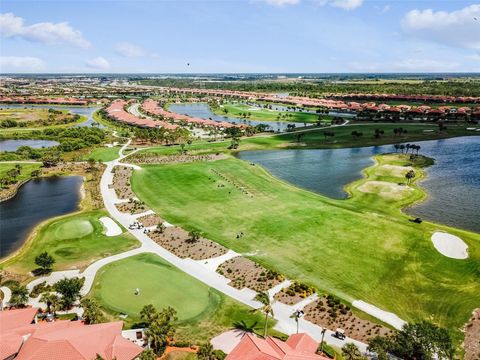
(239, 36)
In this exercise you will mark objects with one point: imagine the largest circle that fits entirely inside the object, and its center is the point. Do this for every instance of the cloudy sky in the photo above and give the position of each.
(239, 36)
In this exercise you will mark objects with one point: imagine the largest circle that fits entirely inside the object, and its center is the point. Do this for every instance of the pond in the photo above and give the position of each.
(13, 145)
(453, 183)
(203, 111)
(36, 201)
(86, 111)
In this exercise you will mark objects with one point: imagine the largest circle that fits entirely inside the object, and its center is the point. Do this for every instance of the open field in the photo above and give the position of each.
(315, 139)
(74, 241)
(202, 312)
(103, 154)
(237, 109)
(361, 248)
(18, 119)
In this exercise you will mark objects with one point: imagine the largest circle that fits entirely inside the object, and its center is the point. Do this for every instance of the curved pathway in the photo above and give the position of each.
(203, 270)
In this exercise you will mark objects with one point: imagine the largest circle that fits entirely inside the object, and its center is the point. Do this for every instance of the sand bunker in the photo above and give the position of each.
(450, 245)
(385, 189)
(112, 227)
(394, 170)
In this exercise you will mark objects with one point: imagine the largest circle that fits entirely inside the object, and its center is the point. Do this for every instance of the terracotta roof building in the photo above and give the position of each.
(297, 347)
(20, 339)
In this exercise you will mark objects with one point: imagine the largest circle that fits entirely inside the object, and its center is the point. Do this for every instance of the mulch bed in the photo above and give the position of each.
(471, 343)
(150, 158)
(150, 220)
(245, 273)
(330, 313)
(293, 294)
(177, 241)
(132, 207)
(121, 182)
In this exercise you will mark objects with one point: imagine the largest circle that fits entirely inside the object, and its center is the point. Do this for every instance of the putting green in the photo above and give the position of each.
(74, 228)
(160, 284)
(203, 312)
(74, 241)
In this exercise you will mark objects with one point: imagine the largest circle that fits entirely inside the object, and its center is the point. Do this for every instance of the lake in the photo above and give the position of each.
(13, 145)
(86, 111)
(203, 111)
(36, 201)
(453, 183)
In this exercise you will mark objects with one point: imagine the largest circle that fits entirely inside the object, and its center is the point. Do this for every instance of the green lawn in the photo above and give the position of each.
(103, 154)
(74, 241)
(259, 114)
(315, 139)
(25, 170)
(361, 248)
(202, 311)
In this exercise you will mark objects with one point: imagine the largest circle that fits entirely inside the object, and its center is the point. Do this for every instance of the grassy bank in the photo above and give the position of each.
(202, 311)
(362, 248)
(74, 241)
(260, 114)
(103, 154)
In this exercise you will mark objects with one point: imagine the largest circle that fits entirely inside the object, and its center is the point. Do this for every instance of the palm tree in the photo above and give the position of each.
(297, 315)
(267, 308)
(351, 352)
(409, 176)
(205, 352)
(52, 300)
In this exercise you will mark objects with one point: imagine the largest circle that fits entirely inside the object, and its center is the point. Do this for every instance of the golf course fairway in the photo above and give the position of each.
(362, 248)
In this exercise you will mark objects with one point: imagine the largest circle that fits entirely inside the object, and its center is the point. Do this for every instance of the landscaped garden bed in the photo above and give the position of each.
(121, 182)
(295, 293)
(152, 158)
(181, 243)
(245, 273)
(150, 220)
(132, 206)
(329, 312)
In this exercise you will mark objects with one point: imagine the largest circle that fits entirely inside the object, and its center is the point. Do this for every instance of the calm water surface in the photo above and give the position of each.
(13, 145)
(453, 183)
(36, 201)
(203, 111)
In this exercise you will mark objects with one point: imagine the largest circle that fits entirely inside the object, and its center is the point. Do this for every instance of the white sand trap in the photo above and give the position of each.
(385, 189)
(450, 245)
(112, 227)
(385, 316)
(394, 170)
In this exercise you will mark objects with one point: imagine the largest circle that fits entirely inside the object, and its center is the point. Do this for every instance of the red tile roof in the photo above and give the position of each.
(297, 347)
(60, 340)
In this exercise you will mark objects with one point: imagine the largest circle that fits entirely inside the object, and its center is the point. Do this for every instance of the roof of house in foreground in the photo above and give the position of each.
(62, 339)
(297, 347)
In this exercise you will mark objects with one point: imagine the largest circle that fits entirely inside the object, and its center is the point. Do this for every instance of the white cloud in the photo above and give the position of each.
(45, 32)
(457, 28)
(282, 2)
(129, 50)
(343, 4)
(20, 63)
(99, 63)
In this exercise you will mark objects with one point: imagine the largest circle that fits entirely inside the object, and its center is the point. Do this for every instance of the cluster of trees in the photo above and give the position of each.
(10, 176)
(407, 148)
(9, 123)
(161, 135)
(357, 134)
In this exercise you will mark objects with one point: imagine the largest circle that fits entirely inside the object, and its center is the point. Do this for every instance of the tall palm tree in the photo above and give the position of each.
(267, 308)
(52, 300)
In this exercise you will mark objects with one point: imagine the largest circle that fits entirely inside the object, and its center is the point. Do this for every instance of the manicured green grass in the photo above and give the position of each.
(362, 248)
(103, 154)
(74, 241)
(202, 311)
(237, 109)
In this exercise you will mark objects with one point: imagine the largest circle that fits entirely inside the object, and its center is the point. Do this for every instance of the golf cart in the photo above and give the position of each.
(340, 334)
